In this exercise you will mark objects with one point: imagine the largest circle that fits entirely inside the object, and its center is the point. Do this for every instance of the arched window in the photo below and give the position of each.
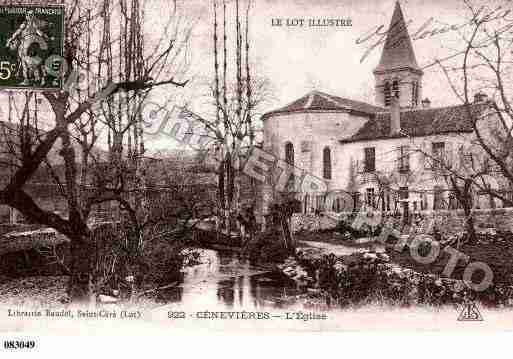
(289, 158)
(414, 93)
(289, 153)
(395, 88)
(387, 94)
(326, 160)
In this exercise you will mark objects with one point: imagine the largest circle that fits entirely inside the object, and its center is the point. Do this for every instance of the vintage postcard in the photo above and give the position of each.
(225, 165)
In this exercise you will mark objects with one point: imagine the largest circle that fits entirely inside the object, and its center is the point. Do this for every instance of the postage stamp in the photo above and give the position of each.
(31, 37)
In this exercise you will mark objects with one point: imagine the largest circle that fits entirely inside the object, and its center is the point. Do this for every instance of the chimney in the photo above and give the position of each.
(426, 103)
(480, 97)
(395, 116)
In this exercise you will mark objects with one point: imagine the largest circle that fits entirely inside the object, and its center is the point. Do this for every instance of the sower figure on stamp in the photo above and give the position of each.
(23, 40)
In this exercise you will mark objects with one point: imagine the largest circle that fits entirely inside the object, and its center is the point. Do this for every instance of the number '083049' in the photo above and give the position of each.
(19, 344)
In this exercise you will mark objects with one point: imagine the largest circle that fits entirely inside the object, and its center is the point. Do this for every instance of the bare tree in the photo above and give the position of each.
(460, 171)
(237, 96)
(465, 169)
(120, 72)
(483, 66)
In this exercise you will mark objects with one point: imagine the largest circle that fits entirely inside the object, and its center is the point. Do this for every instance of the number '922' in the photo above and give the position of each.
(19, 344)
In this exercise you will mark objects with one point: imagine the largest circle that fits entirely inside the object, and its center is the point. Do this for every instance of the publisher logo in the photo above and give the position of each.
(470, 313)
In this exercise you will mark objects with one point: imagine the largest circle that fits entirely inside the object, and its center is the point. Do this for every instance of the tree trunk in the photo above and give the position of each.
(229, 194)
(467, 208)
(221, 198)
(355, 202)
(469, 224)
(80, 288)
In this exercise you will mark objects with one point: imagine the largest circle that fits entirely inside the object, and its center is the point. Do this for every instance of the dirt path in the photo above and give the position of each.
(44, 291)
(337, 249)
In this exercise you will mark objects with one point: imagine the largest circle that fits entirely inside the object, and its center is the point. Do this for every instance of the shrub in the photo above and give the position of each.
(368, 277)
(366, 231)
(119, 255)
(267, 247)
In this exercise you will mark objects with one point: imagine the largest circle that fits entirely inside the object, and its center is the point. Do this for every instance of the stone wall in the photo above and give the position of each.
(33, 252)
(447, 221)
(312, 223)
(501, 219)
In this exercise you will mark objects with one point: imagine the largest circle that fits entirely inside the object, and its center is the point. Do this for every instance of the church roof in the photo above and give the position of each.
(421, 122)
(319, 101)
(398, 50)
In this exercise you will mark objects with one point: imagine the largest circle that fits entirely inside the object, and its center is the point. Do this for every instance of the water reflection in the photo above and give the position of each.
(223, 278)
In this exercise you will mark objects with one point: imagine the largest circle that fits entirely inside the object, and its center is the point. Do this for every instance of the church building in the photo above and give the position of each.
(386, 154)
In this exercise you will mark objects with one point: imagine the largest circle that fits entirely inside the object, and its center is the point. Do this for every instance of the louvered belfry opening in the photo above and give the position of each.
(398, 73)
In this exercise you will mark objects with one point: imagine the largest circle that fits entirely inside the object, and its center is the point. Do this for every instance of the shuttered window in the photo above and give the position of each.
(438, 151)
(289, 158)
(404, 159)
(387, 93)
(370, 159)
(395, 88)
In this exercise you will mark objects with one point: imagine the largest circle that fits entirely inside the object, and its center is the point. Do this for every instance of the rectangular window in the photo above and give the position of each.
(395, 89)
(357, 200)
(423, 202)
(468, 161)
(370, 159)
(403, 192)
(453, 201)
(370, 199)
(438, 153)
(438, 198)
(387, 94)
(404, 159)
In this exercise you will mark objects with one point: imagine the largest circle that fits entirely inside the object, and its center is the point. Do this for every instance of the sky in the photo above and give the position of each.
(299, 59)
(296, 60)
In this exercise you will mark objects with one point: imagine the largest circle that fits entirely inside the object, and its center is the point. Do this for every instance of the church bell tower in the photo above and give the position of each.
(398, 73)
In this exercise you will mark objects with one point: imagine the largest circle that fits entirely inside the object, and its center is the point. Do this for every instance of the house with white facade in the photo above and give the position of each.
(389, 154)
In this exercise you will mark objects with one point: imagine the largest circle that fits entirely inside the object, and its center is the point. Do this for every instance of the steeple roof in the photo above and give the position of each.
(398, 50)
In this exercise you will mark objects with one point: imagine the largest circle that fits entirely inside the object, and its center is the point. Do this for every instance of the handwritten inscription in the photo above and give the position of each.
(378, 34)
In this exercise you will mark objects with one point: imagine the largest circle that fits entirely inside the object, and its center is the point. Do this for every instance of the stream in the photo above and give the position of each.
(223, 279)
